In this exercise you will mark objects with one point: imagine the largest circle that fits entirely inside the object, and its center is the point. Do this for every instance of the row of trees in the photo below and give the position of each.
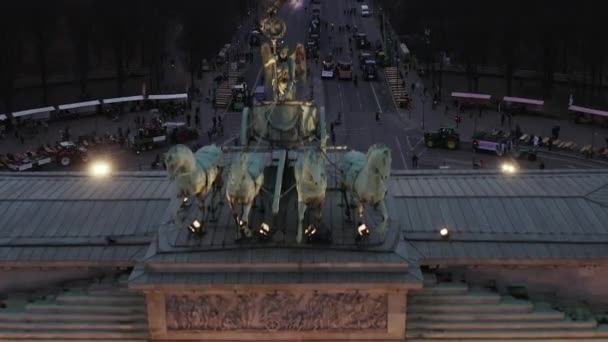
(79, 38)
(543, 36)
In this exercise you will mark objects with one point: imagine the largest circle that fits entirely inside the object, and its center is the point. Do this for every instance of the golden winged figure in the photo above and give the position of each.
(282, 70)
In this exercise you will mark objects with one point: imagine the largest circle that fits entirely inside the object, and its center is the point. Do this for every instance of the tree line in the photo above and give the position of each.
(77, 39)
(556, 40)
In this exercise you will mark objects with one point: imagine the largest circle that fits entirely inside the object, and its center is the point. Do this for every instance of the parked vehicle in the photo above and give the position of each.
(149, 137)
(67, 153)
(180, 132)
(444, 138)
(25, 161)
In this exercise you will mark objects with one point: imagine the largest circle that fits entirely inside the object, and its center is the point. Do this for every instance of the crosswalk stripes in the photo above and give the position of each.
(223, 95)
(397, 86)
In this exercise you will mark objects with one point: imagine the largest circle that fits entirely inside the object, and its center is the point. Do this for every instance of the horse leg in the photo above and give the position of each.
(301, 212)
(346, 205)
(235, 216)
(201, 207)
(383, 225)
(360, 211)
(245, 225)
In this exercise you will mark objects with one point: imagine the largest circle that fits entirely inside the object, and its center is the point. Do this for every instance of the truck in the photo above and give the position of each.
(496, 141)
(180, 132)
(445, 137)
(26, 161)
(151, 136)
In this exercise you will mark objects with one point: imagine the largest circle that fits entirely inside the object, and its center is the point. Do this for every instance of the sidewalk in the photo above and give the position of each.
(490, 119)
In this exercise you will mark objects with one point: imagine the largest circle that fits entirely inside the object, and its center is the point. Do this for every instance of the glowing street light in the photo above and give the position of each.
(508, 168)
(444, 233)
(100, 169)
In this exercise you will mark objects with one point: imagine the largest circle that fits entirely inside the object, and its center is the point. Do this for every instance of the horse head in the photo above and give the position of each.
(179, 159)
(379, 161)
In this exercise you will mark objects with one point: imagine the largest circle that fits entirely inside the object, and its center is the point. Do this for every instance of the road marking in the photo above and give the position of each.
(401, 152)
(392, 95)
(341, 96)
(418, 143)
(409, 144)
(375, 97)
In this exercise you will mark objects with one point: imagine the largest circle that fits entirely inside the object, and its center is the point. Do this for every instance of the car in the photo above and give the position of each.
(370, 72)
(382, 59)
(312, 48)
(315, 26)
(255, 38)
(362, 41)
(345, 70)
(363, 57)
(444, 137)
(329, 66)
(365, 11)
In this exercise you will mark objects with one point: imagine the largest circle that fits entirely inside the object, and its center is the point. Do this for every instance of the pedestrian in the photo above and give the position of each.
(502, 119)
(415, 161)
(458, 119)
(378, 116)
(541, 166)
(535, 141)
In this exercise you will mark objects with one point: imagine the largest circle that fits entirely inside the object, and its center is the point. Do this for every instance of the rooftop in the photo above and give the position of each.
(58, 218)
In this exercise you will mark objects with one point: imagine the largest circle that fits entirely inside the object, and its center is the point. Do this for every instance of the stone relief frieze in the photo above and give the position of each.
(277, 311)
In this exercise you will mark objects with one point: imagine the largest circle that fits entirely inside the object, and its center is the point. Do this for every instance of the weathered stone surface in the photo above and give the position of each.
(278, 311)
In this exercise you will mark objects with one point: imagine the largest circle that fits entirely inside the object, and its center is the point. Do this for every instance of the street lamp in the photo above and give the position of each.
(100, 169)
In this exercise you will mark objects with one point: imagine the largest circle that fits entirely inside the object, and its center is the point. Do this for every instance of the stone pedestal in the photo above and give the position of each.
(341, 313)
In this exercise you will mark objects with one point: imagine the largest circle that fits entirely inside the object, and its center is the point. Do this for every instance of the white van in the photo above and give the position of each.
(365, 11)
